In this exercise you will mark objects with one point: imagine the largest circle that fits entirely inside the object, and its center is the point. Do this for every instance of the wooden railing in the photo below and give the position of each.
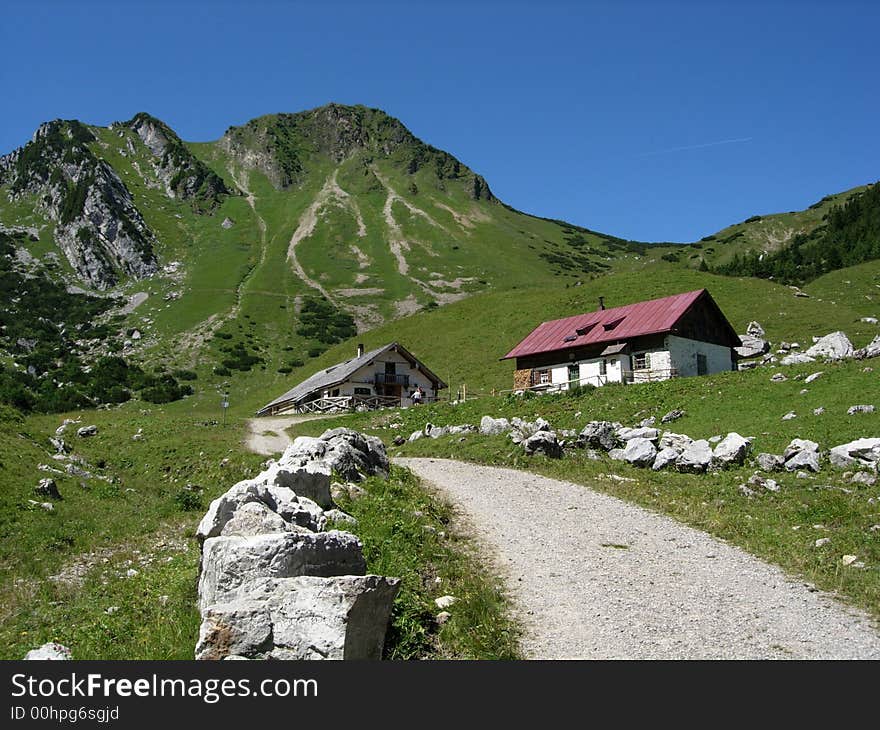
(392, 379)
(348, 403)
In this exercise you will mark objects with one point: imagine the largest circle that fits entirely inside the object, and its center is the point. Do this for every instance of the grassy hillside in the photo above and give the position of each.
(764, 232)
(463, 342)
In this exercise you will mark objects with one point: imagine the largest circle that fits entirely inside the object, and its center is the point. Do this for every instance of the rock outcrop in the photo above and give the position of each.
(272, 583)
(97, 226)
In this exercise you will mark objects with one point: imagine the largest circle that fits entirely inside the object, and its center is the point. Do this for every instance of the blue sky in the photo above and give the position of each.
(651, 121)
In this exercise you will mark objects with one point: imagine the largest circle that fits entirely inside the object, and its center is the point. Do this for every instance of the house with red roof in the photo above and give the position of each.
(685, 334)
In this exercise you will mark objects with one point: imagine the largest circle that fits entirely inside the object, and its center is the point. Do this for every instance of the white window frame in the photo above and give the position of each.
(645, 358)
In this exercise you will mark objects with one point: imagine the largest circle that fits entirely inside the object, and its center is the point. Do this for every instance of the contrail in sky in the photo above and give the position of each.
(697, 146)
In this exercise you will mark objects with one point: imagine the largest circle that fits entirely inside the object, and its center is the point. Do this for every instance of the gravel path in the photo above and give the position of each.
(267, 435)
(593, 577)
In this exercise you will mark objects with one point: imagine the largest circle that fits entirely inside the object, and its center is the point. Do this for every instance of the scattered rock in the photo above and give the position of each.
(863, 452)
(600, 434)
(543, 442)
(664, 458)
(445, 601)
(796, 445)
(494, 426)
(638, 452)
(778, 378)
(835, 346)
(852, 410)
(48, 488)
(822, 541)
(51, 651)
(673, 415)
(732, 449)
(871, 350)
(796, 358)
(755, 329)
(788, 416)
(87, 431)
(848, 559)
(803, 460)
(227, 223)
(862, 477)
(695, 458)
(442, 617)
(770, 462)
(818, 411)
(769, 484)
(814, 376)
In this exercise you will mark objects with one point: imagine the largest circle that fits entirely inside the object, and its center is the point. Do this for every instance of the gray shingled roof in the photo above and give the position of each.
(337, 374)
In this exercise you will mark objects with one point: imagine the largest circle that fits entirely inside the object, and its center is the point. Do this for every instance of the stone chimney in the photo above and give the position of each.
(601, 303)
(360, 349)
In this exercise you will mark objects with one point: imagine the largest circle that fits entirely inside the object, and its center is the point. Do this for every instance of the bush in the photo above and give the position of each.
(285, 370)
(220, 370)
(188, 500)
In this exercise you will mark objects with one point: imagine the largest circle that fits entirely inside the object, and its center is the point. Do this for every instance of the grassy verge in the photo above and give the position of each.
(781, 527)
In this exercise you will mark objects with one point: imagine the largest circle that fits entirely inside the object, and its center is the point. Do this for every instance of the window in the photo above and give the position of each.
(603, 367)
(362, 391)
(574, 373)
(642, 361)
(391, 368)
(540, 377)
(702, 365)
(612, 324)
(335, 393)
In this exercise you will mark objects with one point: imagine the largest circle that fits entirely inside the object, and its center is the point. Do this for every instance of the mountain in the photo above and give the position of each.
(291, 233)
(286, 235)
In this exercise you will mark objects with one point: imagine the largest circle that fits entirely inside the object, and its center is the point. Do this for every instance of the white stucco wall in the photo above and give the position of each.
(677, 357)
(365, 377)
(683, 353)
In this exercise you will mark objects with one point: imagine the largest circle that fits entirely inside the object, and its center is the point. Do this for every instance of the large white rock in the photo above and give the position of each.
(224, 507)
(664, 458)
(696, 457)
(732, 449)
(871, 350)
(835, 346)
(494, 426)
(639, 452)
(861, 452)
(626, 434)
(51, 651)
(543, 442)
(755, 329)
(255, 518)
(796, 445)
(803, 460)
(677, 441)
(310, 480)
(344, 617)
(752, 346)
(229, 562)
(600, 434)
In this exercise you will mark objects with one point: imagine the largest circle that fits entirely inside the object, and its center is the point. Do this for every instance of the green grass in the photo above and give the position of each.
(145, 519)
(778, 527)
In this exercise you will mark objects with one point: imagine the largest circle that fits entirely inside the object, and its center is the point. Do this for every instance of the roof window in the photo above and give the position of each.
(613, 323)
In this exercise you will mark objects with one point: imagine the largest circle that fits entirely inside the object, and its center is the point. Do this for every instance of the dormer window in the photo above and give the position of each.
(608, 326)
(585, 330)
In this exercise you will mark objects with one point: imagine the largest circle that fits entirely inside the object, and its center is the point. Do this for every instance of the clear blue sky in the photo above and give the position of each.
(652, 121)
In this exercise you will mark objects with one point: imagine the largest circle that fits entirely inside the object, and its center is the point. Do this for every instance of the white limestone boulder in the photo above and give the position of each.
(864, 452)
(494, 426)
(835, 346)
(731, 450)
(301, 618)
(229, 562)
(696, 457)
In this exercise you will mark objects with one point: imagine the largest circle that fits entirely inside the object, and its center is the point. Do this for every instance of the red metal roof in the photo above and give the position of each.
(633, 320)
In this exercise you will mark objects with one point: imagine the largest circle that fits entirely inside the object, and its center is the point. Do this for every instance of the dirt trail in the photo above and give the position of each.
(593, 577)
(331, 191)
(267, 436)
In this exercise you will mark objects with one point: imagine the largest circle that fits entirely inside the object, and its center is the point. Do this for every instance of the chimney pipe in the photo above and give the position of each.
(360, 350)
(601, 302)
